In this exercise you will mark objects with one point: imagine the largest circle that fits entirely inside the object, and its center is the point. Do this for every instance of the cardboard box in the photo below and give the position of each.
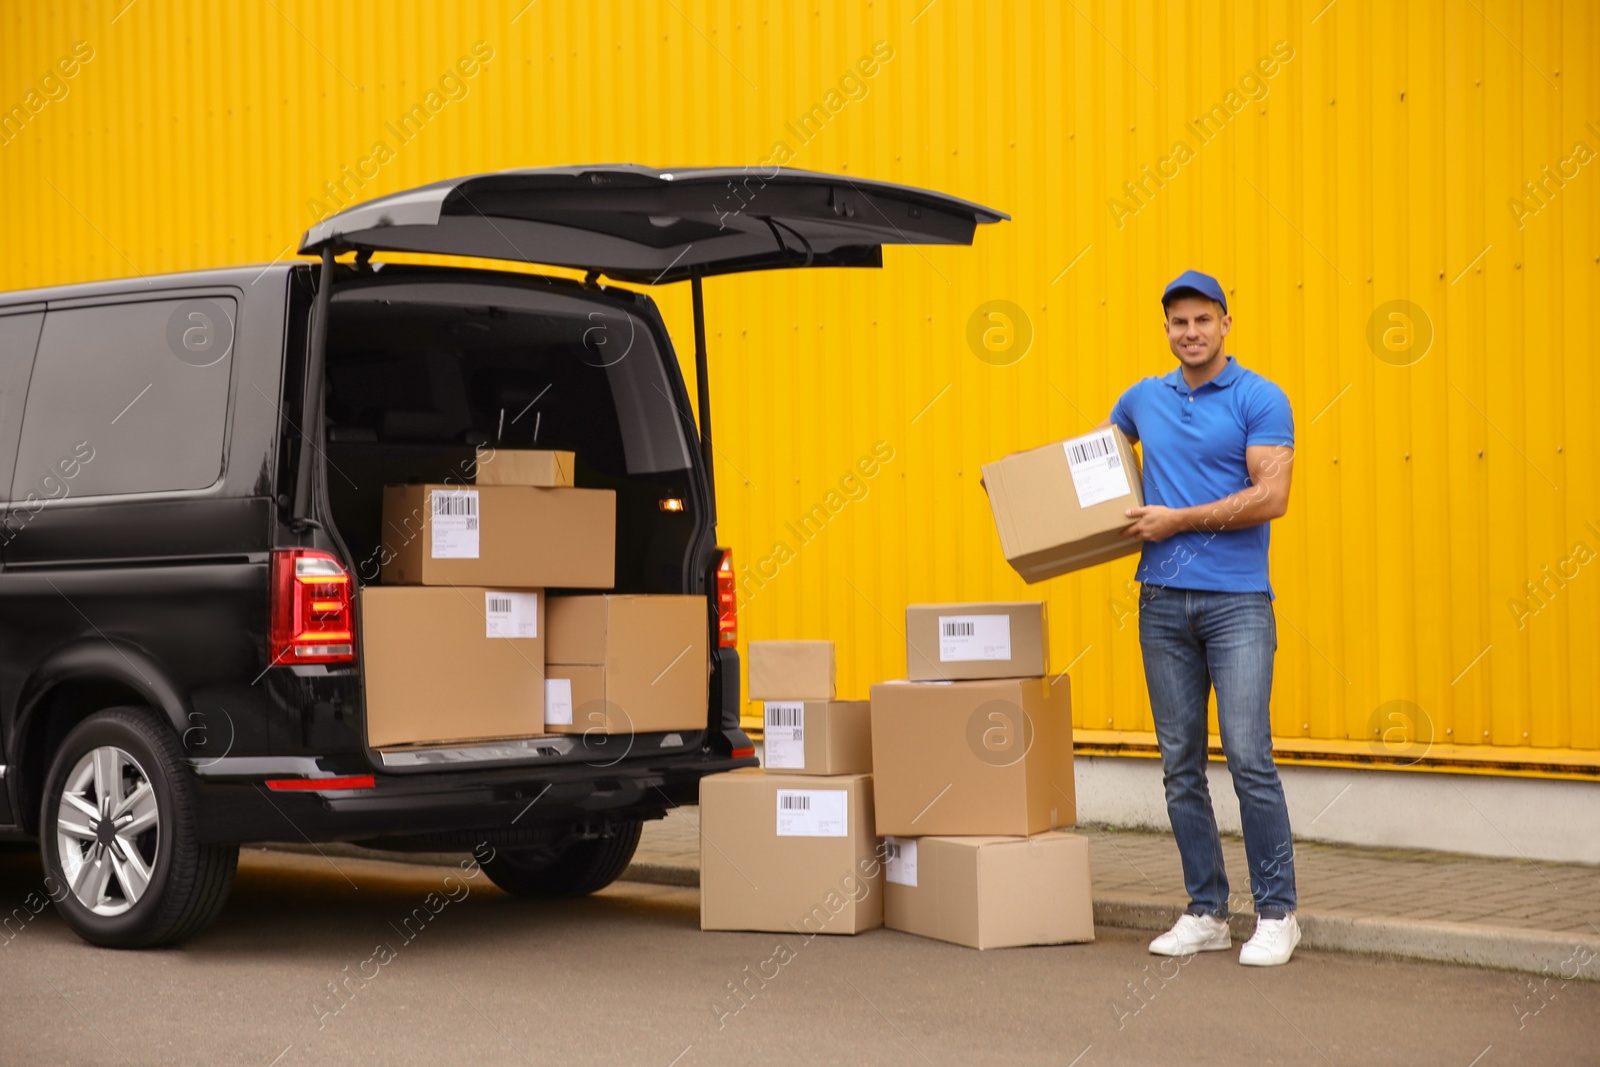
(633, 664)
(818, 736)
(523, 466)
(1061, 507)
(792, 670)
(443, 665)
(789, 854)
(960, 758)
(990, 892)
(949, 642)
(512, 535)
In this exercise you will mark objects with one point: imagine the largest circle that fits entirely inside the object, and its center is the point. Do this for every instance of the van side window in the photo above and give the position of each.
(127, 398)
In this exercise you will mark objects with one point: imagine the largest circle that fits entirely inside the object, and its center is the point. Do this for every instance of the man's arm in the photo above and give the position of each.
(1266, 499)
(1108, 424)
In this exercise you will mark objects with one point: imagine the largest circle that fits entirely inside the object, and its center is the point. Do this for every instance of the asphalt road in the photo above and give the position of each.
(627, 977)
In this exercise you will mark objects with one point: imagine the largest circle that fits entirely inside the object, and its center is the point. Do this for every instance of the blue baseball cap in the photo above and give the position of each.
(1192, 282)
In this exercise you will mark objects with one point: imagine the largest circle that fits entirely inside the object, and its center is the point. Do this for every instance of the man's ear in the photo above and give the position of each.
(1227, 322)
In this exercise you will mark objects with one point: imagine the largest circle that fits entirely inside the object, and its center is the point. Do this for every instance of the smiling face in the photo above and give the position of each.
(1195, 329)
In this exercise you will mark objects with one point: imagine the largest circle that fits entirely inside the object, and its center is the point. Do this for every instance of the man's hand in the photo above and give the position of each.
(1155, 523)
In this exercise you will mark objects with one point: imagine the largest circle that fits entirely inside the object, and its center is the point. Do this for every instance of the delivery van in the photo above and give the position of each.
(197, 466)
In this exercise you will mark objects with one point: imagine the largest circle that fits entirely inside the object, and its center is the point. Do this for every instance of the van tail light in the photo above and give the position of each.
(727, 602)
(313, 620)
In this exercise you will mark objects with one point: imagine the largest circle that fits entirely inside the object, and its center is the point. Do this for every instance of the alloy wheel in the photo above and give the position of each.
(107, 830)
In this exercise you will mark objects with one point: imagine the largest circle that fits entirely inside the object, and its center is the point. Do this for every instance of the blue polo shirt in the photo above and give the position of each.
(1194, 446)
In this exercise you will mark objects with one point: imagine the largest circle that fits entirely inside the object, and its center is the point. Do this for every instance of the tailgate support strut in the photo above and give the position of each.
(311, 403)
(702, 376)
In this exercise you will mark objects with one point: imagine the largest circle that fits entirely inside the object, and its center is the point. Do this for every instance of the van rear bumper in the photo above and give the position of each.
(498, 802)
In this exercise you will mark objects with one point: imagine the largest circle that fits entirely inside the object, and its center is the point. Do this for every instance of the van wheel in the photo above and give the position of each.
(581, 868)
(118, 835)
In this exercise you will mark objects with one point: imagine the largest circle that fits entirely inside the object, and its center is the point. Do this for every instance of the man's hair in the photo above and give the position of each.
(1166, 305)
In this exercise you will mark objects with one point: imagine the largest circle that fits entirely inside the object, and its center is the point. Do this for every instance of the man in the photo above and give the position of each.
(1218, 445)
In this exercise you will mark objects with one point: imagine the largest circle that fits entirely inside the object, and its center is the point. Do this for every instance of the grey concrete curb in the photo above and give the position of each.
(1501, 948)
(1496, 947)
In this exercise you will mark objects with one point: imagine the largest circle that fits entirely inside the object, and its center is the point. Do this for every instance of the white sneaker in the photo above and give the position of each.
(1191, 934)
(1272, 944)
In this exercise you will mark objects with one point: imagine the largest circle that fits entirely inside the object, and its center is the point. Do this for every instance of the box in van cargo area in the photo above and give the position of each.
(1061, 507)
(524, 466)
(447, 664)
(627, 663)
(515, 535)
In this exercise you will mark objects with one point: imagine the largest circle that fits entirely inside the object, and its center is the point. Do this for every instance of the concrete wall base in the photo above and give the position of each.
(1479, 815)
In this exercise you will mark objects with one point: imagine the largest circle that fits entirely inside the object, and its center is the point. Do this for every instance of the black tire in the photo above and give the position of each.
(188, 882)
(583, 867)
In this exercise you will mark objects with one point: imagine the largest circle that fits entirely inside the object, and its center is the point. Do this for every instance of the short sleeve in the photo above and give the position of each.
(1268, 419)
(1122, 414)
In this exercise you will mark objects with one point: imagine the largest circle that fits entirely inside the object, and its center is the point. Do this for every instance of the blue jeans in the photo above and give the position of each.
(1194, 641)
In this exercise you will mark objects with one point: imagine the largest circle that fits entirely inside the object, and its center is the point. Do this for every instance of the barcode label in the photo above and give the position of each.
(1082, 451)
(813, 813)
(558, 701)
(784, 714)
(1097, 471)
(511, 614)
(785, 735)
(964, 638)
(900, 860)
(455, 523)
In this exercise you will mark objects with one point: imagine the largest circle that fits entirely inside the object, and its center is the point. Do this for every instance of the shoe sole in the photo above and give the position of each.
(1213, 947)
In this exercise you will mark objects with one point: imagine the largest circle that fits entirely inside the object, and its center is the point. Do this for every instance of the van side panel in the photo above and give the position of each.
(157, 594)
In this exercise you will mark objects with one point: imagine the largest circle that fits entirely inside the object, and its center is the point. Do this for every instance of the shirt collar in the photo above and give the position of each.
(1230, 374)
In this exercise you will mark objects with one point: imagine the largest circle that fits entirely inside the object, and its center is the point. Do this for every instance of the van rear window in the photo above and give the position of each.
(461, 364)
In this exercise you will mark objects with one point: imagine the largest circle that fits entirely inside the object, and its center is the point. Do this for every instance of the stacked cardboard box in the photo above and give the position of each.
(626, 664)
(454, 638)
(972, 759)
(794, 848)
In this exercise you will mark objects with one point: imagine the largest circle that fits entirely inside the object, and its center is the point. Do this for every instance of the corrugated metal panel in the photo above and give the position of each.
(1383, 158)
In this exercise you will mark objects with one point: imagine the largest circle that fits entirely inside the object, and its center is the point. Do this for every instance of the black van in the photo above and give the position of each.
(188, 454)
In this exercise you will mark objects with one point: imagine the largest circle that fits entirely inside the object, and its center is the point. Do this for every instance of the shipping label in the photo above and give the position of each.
(813, 813)
(785, 735)
(900, 860)
(963, 638)
(455, 523)
(558, 701)
(510, 614)
(1097, 471)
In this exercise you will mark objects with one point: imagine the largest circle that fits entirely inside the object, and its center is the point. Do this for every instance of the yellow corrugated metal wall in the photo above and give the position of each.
(1345, 156)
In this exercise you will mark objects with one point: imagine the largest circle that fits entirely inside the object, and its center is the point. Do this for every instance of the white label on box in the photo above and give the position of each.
(558, 701)
(785, 735)
(813, 812)
(455, 523)
(972, 637)
(1097, 471)
(510, 614)
(900, 860)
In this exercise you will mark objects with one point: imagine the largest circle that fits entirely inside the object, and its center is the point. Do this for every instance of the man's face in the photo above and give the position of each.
(1195, 329)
